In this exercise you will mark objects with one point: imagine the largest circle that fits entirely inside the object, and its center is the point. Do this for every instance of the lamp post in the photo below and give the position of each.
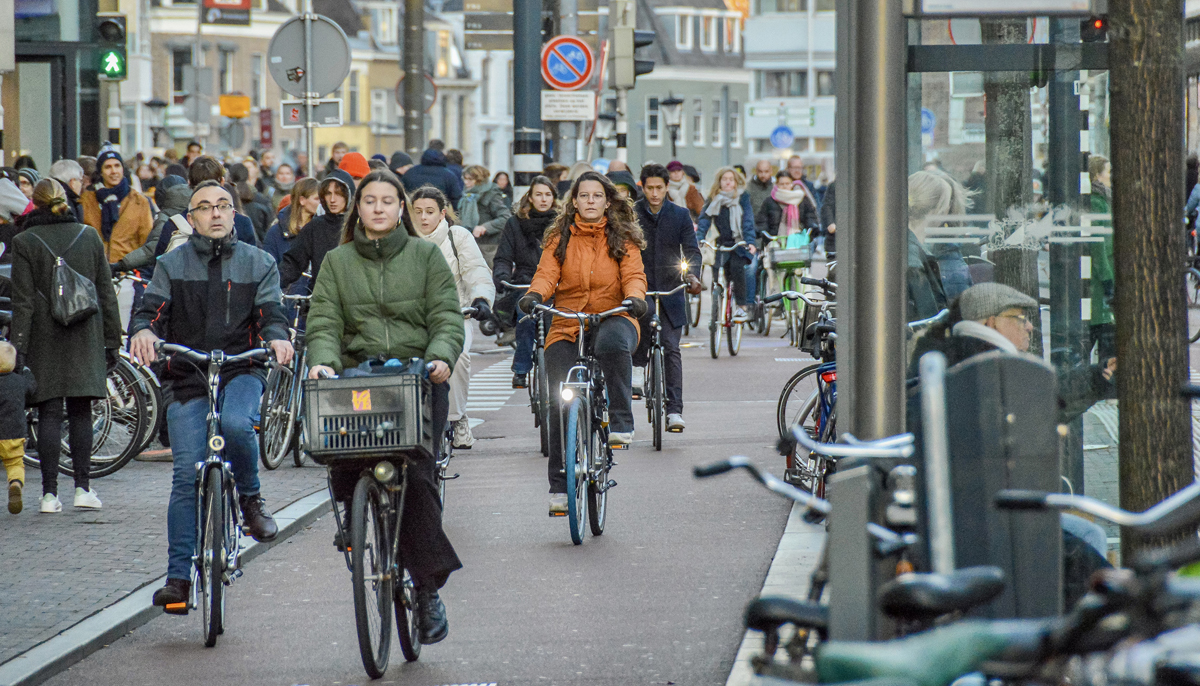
(158, 112)
(606, 123)
(672, 111)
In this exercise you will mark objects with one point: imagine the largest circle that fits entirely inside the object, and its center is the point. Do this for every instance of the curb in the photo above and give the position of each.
(70, 647)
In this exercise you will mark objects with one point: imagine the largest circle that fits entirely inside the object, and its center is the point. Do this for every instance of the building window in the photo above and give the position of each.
(379, 98)
(698, 122)
(485, 87)
(442, 63)
(826, 5)
(826, 84)
(683, 31)
(733, 35)
(717, 122)
(487, 153)
(352, 105)
(180, 58)
(768, 6)
(783, 84)
(386, 30)
(735, 124)
(653, 129)
(258, 84)
(708, 34)
(462, 122)
(225, 71)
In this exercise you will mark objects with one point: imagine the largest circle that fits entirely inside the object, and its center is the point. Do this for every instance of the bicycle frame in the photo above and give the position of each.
(215, 460)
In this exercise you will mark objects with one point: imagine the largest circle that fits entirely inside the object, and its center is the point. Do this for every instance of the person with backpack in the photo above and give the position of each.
(57, 258)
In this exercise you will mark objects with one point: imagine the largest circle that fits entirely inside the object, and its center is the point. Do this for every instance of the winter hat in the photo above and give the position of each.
(29, 174)
(674, 165)
(399, 159)
(379, 157)
(985, 300)
(109, 154)
(170, 181)
(354, 164)
(624, 178)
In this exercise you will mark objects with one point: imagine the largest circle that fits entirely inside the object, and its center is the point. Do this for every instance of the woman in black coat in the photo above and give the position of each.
(69, 362)
(516, 262)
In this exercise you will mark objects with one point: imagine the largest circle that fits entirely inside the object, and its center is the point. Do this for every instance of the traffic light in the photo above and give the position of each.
(1094, 29)
(626, 69)
(111, 59)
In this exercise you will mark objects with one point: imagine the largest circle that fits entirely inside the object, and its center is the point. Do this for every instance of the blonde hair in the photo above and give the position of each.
(48, 194)
(928, 194)
(478, 173)
(716, 187)
(1096, 165)
(8, 357)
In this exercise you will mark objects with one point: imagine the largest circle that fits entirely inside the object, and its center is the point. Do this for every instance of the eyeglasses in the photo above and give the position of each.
(223, 208)
(1019, 317)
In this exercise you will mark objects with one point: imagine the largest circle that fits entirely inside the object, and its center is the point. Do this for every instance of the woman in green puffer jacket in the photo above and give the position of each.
(385, 291)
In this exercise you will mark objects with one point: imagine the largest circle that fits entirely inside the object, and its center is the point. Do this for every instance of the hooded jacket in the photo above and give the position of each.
(520, 247)
(393, 296)
(172, 201)
(212, 294)
(319, 236)
(432, 171)
(466, 263)
(489, 209)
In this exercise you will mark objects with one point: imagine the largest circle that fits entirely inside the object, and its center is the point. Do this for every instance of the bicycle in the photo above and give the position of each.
(721, 323)
(656, 374)
(1192, 289)
(374, 426)
(587, 456)
(447, 450)
(765, 280)
(217, 562)
(281, 418)
(536, 382)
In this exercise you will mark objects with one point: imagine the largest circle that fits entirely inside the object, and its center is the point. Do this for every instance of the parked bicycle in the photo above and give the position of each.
(217, 562)
(655, 391)
(1193, 301)
(722, 323)
(281, 418)
(537, 383)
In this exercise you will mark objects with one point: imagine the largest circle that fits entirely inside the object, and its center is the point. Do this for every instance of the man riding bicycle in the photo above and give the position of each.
(669, 233)
(215, 293)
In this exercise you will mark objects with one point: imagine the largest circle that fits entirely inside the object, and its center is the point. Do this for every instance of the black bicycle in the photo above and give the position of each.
(217, 561)
(281, 418)
(656, 373)
(536, 382)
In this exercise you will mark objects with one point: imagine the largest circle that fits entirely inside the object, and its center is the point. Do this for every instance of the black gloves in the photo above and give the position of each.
(528, 300)
(637, 307)
(482, 311)
(111, 358)
(116, 268)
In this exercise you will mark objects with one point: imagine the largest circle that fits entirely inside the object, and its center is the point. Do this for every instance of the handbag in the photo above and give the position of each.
(73, 297)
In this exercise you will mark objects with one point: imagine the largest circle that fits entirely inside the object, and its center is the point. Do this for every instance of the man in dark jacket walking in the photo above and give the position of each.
(669, 235)
(432, 171)
(215, 293)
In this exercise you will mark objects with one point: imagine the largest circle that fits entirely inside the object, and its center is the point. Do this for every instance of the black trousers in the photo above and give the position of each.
(672, 360)
(424, 547)
(49, 440)
(615, 341)
(735, 274)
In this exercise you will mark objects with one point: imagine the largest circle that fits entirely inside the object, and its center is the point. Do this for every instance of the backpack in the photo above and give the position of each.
(73, 297)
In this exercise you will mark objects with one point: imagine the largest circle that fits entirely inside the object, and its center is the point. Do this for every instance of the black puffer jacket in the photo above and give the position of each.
(520, 248)
(317, 237)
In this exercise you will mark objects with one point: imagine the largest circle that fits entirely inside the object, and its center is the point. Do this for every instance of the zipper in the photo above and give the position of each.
(387, 337)
(228, 297)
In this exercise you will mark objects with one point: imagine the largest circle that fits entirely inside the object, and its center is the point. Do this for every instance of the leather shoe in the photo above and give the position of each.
(431, 618)
(173, 597)
(254, 513)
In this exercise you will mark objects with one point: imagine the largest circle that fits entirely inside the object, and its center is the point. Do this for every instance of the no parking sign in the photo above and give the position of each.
(567, 63)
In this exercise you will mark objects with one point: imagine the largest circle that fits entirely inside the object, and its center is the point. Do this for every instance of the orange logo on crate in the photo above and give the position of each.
(361, 400)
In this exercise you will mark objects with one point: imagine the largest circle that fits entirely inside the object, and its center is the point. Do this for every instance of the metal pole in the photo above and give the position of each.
(1, 121)
(566, 148)
(414, 77)
(527, 110)
(622, 124)
(873, 212)
(114, 113)
(940, 507)
(198, 65)
(309, 133)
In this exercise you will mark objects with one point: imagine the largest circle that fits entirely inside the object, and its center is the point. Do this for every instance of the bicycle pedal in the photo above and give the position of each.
(624, 446)
(675, 431)
(558, 514)
(611, 483)
(448, 478)
(176, 609)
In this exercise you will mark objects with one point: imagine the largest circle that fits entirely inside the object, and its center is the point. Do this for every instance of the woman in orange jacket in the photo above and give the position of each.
(591, 262)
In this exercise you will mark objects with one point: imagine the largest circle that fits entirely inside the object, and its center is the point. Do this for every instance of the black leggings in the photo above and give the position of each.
(49, 440)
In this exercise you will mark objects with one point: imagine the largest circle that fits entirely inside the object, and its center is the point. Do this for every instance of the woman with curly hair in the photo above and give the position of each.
(591, 262)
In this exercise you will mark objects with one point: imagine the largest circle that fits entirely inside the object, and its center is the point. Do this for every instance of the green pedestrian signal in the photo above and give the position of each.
(110, 29)
(112, 64)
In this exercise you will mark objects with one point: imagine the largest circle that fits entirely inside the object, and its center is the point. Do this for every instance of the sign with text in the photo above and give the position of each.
(326, 112)
(228, 12)
(568, 105)
(1038, 8)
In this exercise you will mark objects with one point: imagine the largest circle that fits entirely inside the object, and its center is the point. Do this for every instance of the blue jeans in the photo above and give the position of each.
(239, 403)
(526, 332)
(752, 278)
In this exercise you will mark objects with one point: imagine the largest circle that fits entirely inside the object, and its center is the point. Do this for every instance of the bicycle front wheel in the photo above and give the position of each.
(575, 458)
(597, 487)
(212, 557)
(735, 338)
(277, 418)
(370, 553)
(795, 399)
(714, 325)
(544, 402)
(658, 397)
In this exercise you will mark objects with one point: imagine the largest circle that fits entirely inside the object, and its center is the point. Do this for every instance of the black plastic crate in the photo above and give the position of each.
(368, 416)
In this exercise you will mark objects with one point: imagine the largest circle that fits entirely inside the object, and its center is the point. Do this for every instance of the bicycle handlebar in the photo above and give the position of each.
(1176, 512)
(297, 298)
(579, 315)
(772, 482)
(515, 286)
(1191, 390)
(893, 447)
(935, 319)
(731, 248)
(257, 354)
(794, 295)
(823, 284)
(663, 294)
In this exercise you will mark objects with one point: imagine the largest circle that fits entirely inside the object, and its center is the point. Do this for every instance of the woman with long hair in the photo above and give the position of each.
(928, 194)
(516, 262)
(303, 207)
(591, 262)
(322, 233)
(502, 182)
(726, 220)
(386, 292)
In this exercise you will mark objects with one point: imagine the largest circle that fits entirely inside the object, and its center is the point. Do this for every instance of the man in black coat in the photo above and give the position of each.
(670, 241)
(432, 171)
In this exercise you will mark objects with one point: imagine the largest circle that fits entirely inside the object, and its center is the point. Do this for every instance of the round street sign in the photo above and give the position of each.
(567, 63)
(782, 137)
(430, 92)
(330, 59)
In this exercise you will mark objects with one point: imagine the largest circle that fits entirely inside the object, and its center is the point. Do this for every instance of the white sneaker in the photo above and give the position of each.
(463, 440)
(675, 423)
(639, 381)
(558, 504)
(739, 315)
(51, 504)
(620, 439)
(87, 500)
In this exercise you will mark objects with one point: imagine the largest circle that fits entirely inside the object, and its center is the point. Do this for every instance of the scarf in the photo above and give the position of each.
(534, 226)
(468, 207)
(790, 201)
(734, 203)
(987, 334)
(110, 200)
(678, 190)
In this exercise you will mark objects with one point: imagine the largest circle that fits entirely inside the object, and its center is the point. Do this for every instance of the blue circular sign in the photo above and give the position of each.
(928, 121)
(566, 63)
(782, 137)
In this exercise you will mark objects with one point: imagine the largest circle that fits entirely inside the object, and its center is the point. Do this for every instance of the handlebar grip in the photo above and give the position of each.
(820, 283)
(824, 328)
(324, 374)
(774, 298)
(1013, 499)
(702, 471)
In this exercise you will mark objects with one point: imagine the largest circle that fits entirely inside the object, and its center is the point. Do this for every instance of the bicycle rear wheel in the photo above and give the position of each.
(735, 338)
(657, 397)
(1193, 301)
(695, 306)
(794, 400)
(212, 557)
(544, 402)
(575, 458)
(276, 417)
(597, 487)
(406, 615)
(714, 324)
(371, 571)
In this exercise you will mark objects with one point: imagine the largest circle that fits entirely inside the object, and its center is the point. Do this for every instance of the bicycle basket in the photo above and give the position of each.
(368, 416)
(790, 258)
(808, 338)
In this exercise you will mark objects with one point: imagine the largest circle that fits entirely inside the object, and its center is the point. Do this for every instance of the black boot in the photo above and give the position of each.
(254, 514)
(520, 381)
(173, 598)
(431, 617)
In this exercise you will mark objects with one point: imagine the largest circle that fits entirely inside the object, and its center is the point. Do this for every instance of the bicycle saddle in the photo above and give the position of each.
(768, 613)
(926, 596)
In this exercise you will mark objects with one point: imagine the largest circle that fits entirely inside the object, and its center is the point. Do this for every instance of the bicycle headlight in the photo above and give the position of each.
(567, 394)
(385, 472)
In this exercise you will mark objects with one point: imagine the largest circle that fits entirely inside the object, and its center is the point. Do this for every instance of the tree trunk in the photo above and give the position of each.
(1146, 63)
(1008, 126)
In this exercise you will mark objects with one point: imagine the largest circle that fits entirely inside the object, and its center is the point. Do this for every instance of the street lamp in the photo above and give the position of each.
(606, 123)
(158, 112)
(672, 111)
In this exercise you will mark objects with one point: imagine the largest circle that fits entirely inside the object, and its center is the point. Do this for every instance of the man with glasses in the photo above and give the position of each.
(215, 293)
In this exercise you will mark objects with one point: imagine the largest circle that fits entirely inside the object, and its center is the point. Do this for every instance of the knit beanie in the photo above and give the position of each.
(399, 159)
(29, 174)
(354, 164)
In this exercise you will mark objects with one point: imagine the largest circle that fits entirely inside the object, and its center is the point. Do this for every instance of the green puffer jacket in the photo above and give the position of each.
(393, 296)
